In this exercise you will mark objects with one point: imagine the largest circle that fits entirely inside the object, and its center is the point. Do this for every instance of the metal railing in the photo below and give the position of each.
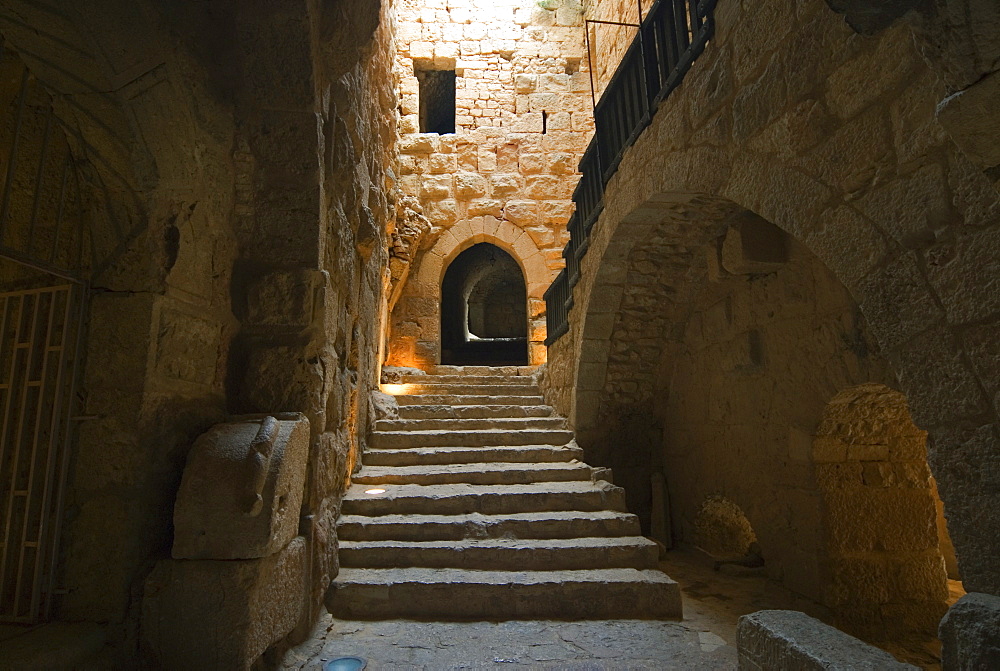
(670, 38)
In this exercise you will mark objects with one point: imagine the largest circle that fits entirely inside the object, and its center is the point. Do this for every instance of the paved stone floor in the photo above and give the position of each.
(704, 639)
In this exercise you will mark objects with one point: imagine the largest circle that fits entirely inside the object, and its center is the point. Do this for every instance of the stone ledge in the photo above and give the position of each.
(787, 640)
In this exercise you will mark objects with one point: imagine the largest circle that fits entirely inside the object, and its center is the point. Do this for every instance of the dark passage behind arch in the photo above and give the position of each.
(484, 317)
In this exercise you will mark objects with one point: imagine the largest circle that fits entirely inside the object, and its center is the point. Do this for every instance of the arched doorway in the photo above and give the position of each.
(484, 319)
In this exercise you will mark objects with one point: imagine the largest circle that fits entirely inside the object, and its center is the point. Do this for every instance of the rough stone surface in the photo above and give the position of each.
(788, 640)
(242, 490)
(523, 119)
(969, 118)
(222, 614)
(970, 633)
(483, 532)
(877, 193)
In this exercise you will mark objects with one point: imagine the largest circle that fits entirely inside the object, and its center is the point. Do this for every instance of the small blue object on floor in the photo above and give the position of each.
(345, 664)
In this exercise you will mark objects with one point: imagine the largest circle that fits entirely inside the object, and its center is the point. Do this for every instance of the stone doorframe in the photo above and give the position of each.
(454, 241)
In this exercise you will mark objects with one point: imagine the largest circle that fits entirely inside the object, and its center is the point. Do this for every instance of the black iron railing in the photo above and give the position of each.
(557, 298)
(670, 38)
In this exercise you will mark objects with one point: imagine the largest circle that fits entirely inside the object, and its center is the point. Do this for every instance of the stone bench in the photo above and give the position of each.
(787, 640)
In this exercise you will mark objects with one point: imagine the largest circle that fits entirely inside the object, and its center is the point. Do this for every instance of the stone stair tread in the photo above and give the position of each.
(466, 379)
(468, 399)
(497, 371)
(478, 473)
(453, 576)
(545, 524)
(469, 437)
(473, 411)
(501, 543)
(503, 554)
(469, 424)
(491, 499)
(484, 467)
(357, 492)
(414, 388)
(404, 456)
(481, 519)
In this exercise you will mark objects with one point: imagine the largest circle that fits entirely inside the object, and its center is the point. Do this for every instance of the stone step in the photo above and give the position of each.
(471, 455)
(472, 411)
(493, 371)
(475, 474)
(468, 438)
(471, 424)
(457, 594)
(460, 399)
(487, 499)
(504, 554)
(464, 389)
(467, 379)
(546, 524)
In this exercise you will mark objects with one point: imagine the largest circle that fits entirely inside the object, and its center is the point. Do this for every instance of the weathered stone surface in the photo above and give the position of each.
(843, 152)
(522, 122)
(242, 489)
(970, 118)
(793, 641)
(384, 406)
(970, 633)
(199, 614)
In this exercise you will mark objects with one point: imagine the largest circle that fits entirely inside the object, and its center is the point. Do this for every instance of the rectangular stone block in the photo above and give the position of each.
(206, 614)
(970, 633)
(787, 640)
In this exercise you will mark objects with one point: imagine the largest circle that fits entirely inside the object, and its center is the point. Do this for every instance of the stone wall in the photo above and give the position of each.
(608, 43)
(157, 184)
(236, 169)
(859, 171)
(887, 575)
(523, 120)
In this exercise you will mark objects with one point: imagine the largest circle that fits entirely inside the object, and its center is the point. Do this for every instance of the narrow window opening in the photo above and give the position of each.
(545, 122)
(437, 101)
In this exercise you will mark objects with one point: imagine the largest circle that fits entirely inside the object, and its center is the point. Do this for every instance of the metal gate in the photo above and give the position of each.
(38, 337)
(43, 288)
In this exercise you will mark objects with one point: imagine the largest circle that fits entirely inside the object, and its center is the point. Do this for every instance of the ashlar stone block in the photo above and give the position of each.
(226, 613)
(242, 489)
(793, 641)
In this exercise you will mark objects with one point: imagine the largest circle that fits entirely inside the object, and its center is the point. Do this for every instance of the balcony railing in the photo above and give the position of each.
(670, 38)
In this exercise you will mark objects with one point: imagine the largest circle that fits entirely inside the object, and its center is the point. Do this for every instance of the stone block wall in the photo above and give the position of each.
(523, 119)
(782, 116)
(237, 169)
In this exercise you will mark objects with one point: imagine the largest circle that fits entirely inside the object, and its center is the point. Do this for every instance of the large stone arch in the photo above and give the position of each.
(421, 302)
(845, 157)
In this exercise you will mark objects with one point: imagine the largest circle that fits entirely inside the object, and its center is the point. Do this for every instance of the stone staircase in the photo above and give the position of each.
(474, 504)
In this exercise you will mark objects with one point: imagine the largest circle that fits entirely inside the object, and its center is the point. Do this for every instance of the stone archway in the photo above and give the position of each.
(895, 211)
(415, 338)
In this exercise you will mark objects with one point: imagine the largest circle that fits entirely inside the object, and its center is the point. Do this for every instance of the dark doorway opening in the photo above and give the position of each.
(484, 317)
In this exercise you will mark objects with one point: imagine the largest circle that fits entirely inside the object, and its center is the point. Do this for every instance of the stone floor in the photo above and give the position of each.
(704, 640)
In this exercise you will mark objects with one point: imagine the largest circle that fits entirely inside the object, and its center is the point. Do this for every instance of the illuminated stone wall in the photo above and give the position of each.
(523, 119)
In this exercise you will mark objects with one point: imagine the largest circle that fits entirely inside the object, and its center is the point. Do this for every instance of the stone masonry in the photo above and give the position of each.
(473, 504)
(523, 119)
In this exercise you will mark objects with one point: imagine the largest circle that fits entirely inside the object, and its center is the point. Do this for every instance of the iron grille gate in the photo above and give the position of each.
(43, 241)
(38, 337)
